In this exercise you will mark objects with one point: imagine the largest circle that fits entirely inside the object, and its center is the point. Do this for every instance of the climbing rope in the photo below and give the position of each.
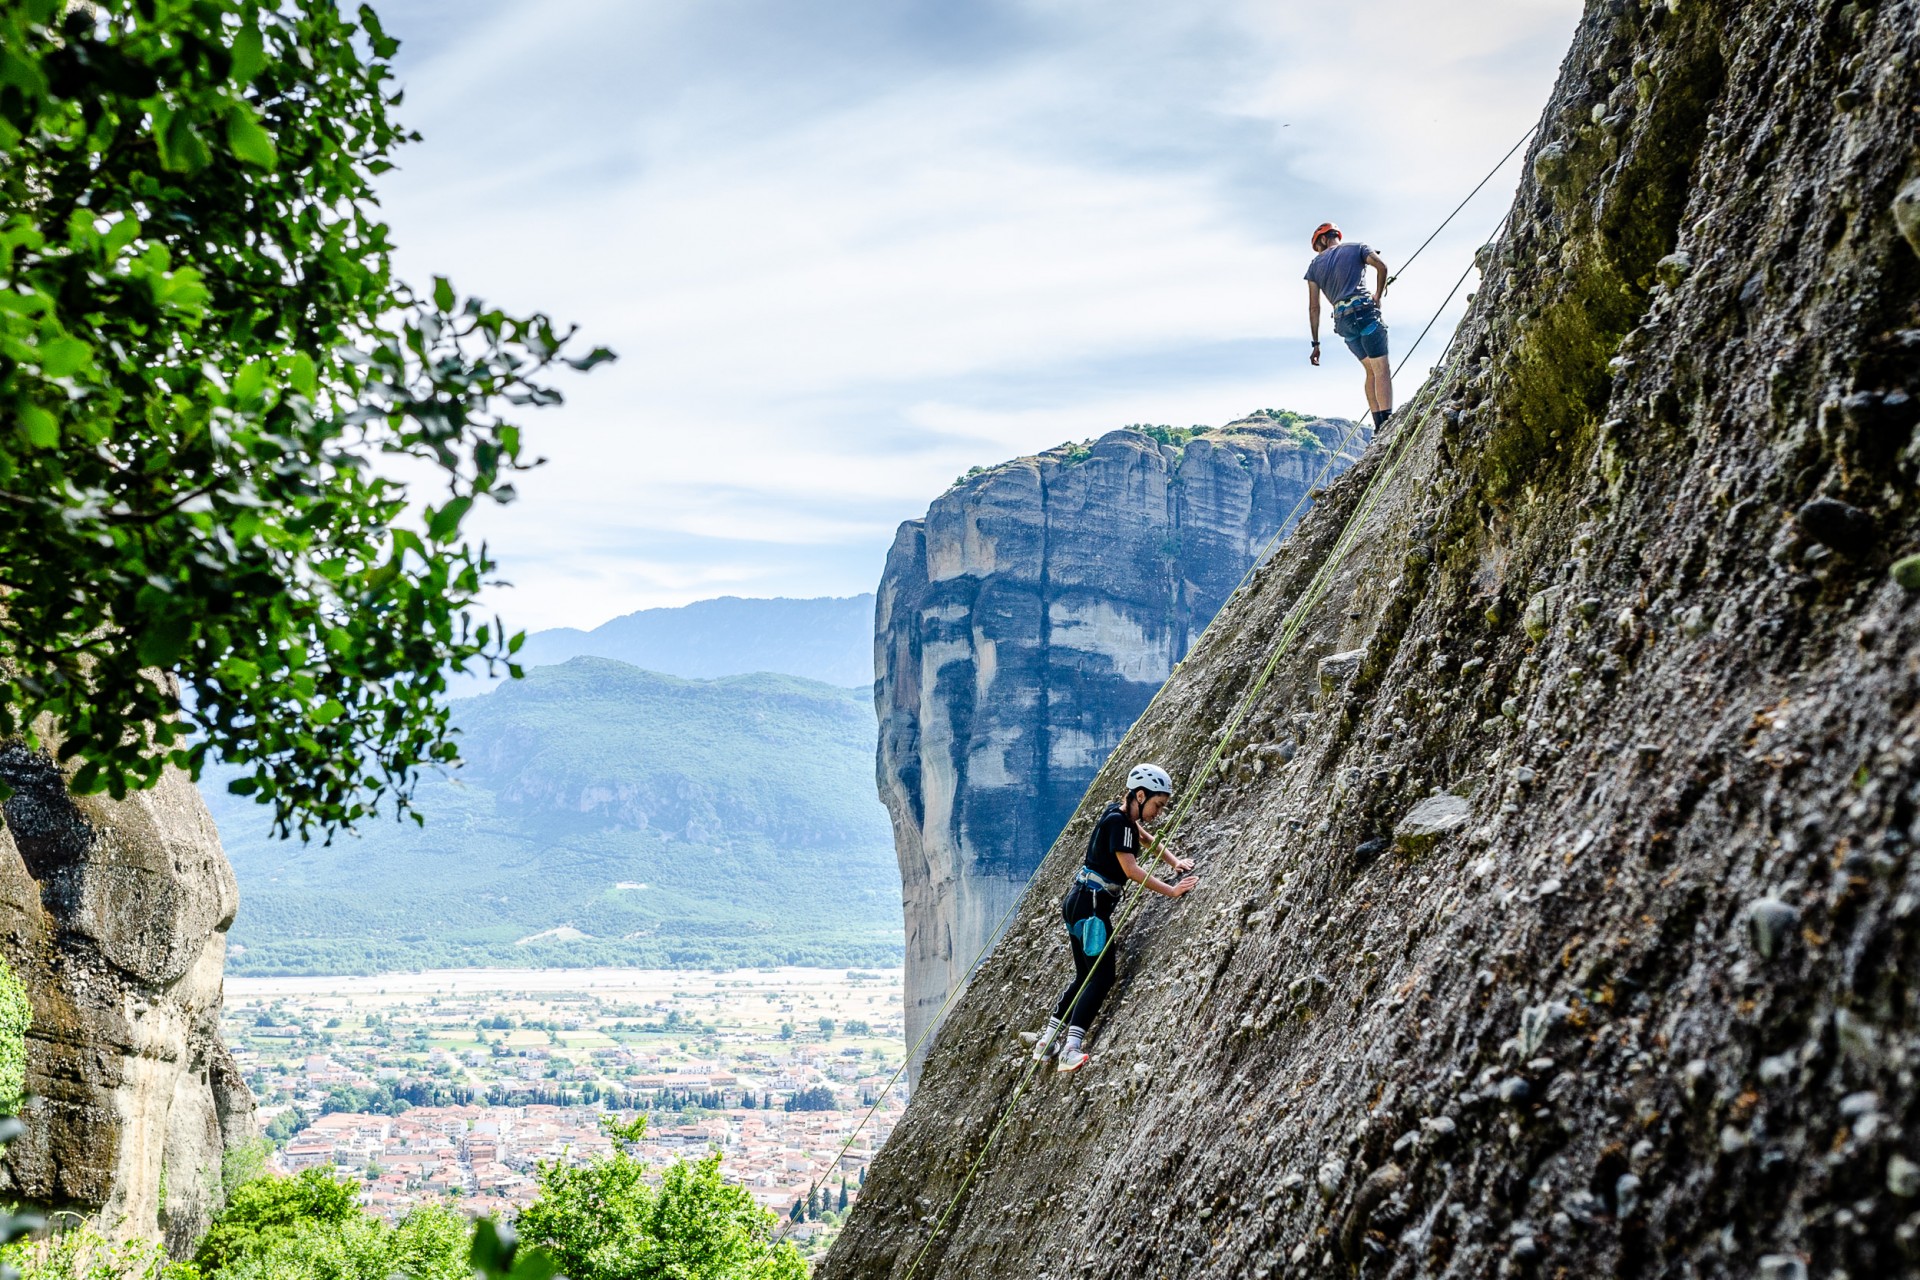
(1306, 496)
(1463, 204)
(1295, 620)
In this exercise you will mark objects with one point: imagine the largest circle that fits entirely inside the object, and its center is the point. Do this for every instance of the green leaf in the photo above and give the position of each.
(301, 374)
(327, 712)
(248, 141)
(63, 356)
(119, 236)
(250, 382)
(165, 640)
(443, 293)
(184, 151)
(445, 523)
(43, 431)
(249, 55)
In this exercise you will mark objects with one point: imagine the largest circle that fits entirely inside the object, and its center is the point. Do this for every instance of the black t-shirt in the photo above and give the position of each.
(1112, 836)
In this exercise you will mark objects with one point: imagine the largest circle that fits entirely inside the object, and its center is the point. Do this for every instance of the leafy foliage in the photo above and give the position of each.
(1295, 425)
(1178, 437)
(606, 1221)
(269, 1211)
(205, 363)
(431, 1242)
(16, 1014)
(78, 1251)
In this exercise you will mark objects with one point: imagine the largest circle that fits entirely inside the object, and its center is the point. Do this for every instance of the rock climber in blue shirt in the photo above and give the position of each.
(1335, 273)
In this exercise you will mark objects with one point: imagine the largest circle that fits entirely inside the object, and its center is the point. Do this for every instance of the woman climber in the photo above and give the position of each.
(1088, 907)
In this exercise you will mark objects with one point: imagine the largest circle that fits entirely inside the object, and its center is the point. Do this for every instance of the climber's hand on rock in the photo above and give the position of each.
(1184, 887)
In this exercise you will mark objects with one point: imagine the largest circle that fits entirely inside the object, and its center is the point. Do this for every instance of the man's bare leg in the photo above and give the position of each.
(1373, 405)
(1379, 382)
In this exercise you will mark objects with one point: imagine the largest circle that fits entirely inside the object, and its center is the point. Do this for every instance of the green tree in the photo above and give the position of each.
(429, 1243)
(271, 1209)
(826, 1028)
(604, 1221)
(209, 377)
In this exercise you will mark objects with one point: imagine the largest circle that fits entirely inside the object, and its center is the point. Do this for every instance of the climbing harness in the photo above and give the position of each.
(1291, 626)
(1088, 878)
(1311, 491)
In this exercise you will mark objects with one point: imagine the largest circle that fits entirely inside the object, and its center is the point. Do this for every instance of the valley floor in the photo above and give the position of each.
(457, 1083)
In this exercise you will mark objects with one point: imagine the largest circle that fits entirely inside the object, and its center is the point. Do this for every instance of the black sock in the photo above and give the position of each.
(1380, 417)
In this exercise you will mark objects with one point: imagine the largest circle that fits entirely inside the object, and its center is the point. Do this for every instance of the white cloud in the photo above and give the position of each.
(847, 253)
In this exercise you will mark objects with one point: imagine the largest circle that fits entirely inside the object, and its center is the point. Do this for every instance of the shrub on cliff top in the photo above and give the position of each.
(205, 365)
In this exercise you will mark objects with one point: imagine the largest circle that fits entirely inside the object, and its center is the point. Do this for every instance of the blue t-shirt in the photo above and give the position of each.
(1337, 271)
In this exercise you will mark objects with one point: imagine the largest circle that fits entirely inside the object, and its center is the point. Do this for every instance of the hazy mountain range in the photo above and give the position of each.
(827, 638)
(608, 814)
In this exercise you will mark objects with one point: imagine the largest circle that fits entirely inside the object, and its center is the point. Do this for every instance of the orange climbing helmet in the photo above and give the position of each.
(1321, 230)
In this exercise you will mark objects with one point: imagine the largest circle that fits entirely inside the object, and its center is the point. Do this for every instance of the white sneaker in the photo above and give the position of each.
(1071, 1060)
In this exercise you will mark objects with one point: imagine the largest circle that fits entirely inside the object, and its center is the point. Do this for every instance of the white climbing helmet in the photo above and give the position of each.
(1150, 776)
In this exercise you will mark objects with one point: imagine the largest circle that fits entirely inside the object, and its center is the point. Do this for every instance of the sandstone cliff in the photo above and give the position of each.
(1023, 625)
(114, 914)
(1635, 994)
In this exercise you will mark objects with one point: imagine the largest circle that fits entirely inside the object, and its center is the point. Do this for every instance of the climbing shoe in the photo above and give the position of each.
(1072, 1056)
(1047, 1042)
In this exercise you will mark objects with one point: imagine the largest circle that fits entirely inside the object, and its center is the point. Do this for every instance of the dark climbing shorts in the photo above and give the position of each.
(1358, 322)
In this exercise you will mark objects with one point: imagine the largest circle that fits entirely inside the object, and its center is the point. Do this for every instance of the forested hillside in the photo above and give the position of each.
(605, 814)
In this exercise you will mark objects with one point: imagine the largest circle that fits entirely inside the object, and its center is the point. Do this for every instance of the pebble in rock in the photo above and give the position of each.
(1770, 925)
(1328, 1179)
(1903, 1177)
(1781, 1266)
(1514, 1090)
(1833, 523)
(1626, 1195)
(1430, 822)
(1906, 572)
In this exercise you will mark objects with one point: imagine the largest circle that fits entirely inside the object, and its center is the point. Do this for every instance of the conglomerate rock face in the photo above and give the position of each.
(114, 914)
(1021, 628)
(1632, 581)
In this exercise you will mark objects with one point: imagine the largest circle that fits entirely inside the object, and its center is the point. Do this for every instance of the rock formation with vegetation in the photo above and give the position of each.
(1023, 625)
(114, 914)
(1577, 936)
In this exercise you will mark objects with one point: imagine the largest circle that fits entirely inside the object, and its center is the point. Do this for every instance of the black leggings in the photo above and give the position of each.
(1092, 974)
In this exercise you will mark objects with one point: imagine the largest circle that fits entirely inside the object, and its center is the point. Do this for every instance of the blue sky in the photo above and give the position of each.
(848, 250)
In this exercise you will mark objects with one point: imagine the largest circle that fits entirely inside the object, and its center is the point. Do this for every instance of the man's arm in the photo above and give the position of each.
(1131, 866)
(1313, 318)
(1379, 275)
